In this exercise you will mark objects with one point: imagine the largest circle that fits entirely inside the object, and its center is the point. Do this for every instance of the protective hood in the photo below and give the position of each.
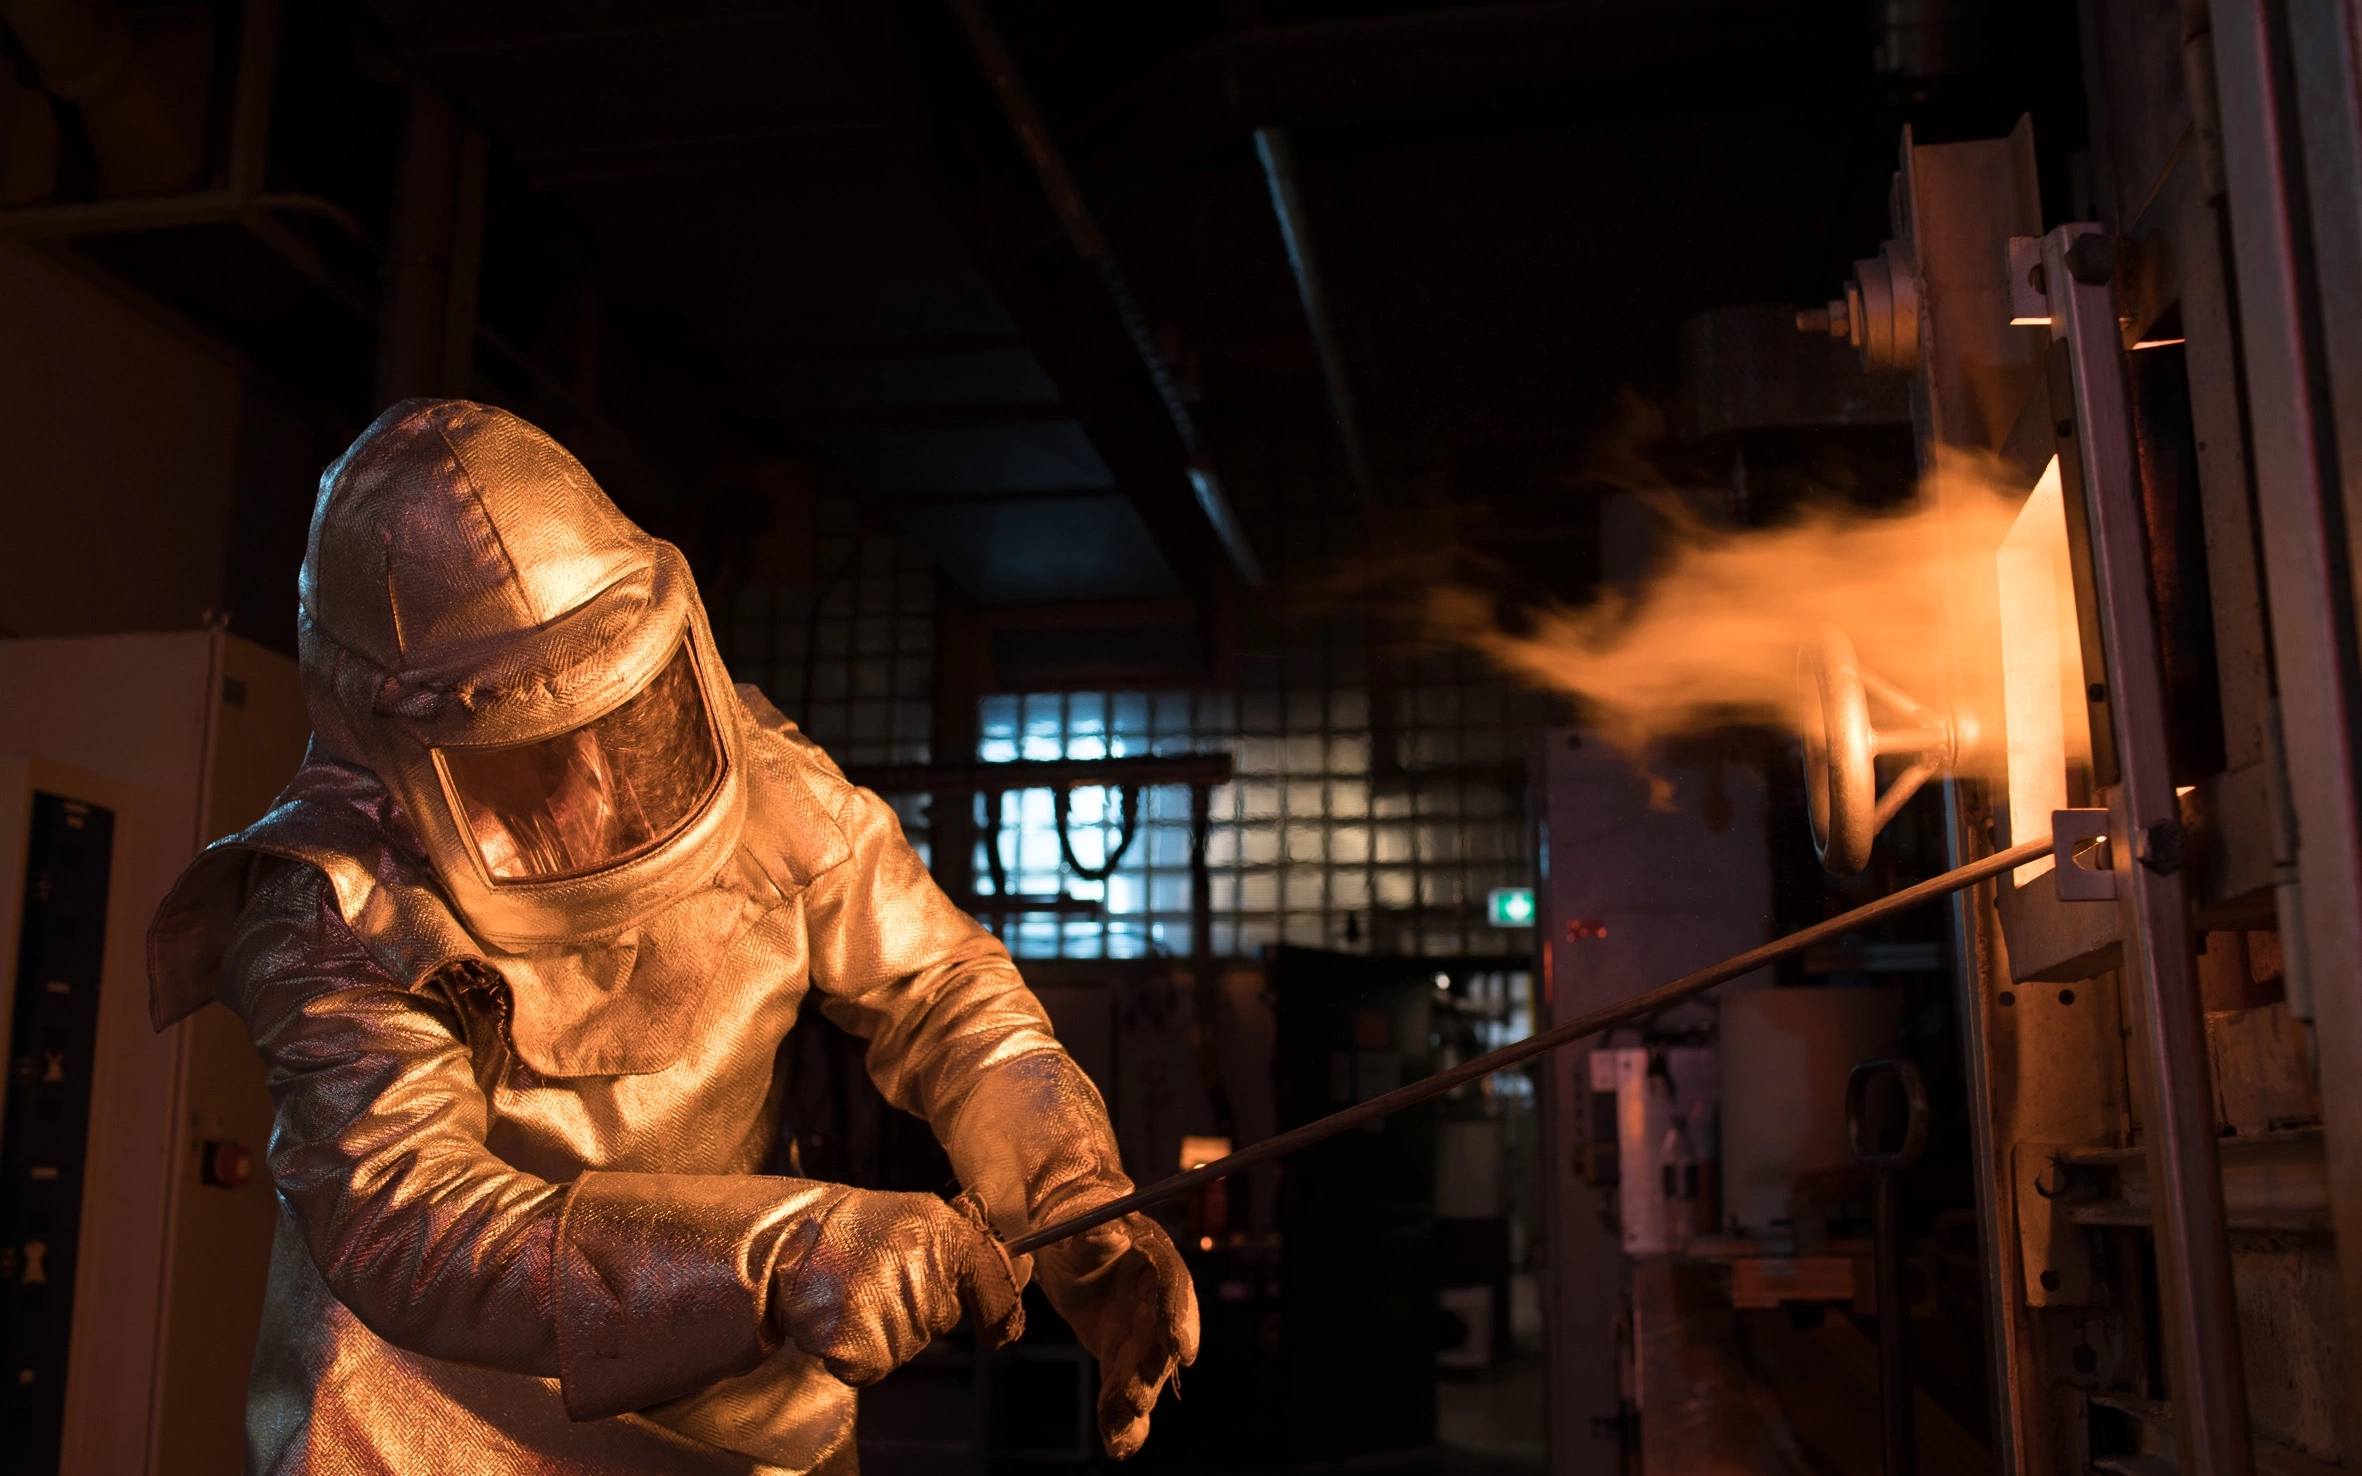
(530, 674)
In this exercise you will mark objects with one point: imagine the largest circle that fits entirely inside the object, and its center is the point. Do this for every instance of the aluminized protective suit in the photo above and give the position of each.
(519, 945)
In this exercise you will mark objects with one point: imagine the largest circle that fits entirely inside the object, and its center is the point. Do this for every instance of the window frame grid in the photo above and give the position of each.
(1431, 841)
(848, 655)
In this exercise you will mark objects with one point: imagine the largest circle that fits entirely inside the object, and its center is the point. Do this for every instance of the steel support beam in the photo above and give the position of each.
(973, 778)
(2286, 95)
(2172, 1078)
(1090, 243)
(1959, 203)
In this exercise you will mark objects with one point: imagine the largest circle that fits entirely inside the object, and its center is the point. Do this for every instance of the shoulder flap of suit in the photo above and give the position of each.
(341, 822)
(615, 1007)
(797, 798)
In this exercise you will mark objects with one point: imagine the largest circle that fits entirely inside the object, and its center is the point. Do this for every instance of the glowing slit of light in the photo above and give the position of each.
(2041, 664)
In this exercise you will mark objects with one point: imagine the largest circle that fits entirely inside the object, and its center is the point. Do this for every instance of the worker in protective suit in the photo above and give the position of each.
(519, 944)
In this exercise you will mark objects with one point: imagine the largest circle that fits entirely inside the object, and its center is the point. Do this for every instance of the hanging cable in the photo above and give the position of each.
(993, 865)
(1123, 836)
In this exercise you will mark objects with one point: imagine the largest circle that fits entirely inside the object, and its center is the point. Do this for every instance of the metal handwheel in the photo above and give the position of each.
(1842, 749)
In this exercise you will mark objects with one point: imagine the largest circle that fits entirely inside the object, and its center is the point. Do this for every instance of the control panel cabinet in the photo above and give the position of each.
(136, 1214)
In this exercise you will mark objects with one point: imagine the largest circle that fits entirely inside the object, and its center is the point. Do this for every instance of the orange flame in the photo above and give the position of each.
(1710, 638)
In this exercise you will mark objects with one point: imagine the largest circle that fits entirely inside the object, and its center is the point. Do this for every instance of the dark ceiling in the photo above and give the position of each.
(725, 234)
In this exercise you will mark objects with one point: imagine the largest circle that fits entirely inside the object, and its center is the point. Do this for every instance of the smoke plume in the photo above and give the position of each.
(1710, 637)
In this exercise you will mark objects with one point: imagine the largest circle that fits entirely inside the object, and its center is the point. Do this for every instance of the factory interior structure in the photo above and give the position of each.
(1352, 534)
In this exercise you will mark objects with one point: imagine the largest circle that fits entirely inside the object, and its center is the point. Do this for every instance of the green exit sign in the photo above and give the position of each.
(1510, 907)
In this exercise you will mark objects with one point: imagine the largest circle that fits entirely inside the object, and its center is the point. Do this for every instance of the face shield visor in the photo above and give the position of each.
(595, 796)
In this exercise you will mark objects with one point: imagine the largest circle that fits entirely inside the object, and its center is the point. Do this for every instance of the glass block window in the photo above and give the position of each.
(1144, 903)
(1373, 807)
(1492, 1008)
(848, 654)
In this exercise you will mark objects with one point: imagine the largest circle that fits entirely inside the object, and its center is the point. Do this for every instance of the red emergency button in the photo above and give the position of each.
(226, 1163)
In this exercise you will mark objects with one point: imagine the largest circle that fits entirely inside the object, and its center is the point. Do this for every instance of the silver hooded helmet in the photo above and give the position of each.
(530, 674)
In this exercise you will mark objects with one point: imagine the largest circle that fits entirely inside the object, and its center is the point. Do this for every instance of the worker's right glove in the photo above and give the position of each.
(1127, 1294)
(885, 1273)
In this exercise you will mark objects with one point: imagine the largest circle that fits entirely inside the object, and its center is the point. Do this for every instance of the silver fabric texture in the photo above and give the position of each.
(467, 585)
(471, 1245)
(522, 1227)
(1122, 1287)
(1124, 1290)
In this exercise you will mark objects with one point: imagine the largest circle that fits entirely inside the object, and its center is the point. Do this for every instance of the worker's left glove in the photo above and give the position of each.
(1032, 1140)
(1127, 1295)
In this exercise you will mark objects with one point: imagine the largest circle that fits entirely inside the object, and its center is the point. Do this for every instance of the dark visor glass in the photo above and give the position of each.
(600, 794)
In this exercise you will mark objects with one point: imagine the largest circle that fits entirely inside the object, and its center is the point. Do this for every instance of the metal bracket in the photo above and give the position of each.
(2029, 300)
(2052, 1250)
(2165, 847)
(2071, 833)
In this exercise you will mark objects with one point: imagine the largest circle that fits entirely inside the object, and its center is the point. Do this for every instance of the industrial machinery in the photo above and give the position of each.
(2151, 662)
(2148, 671)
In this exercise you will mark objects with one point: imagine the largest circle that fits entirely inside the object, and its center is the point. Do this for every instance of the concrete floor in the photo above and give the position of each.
(1496, 1413)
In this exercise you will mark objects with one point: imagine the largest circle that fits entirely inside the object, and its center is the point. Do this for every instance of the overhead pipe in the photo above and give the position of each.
(241, 199)
(1278, 157)
(1090, 243)
(238, 200)
(86, 55)
(1436, 59)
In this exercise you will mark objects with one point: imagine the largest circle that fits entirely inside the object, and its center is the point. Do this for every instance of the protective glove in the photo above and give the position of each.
(886, 1273)
(1128, 1297)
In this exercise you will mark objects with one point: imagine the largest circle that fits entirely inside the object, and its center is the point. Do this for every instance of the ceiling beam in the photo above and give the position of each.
(1089, 243)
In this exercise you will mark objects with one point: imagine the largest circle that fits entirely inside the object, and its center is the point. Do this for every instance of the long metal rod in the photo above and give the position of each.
(1581, 1028)
(1090, 243)
(2172, 1080)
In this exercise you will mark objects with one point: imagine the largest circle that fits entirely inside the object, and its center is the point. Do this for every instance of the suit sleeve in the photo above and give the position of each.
(953, 1034)
(628, 1288)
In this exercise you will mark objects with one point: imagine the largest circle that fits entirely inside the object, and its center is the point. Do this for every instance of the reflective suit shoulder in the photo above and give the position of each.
(340, 821)
(797, 796)
(601, 1007)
